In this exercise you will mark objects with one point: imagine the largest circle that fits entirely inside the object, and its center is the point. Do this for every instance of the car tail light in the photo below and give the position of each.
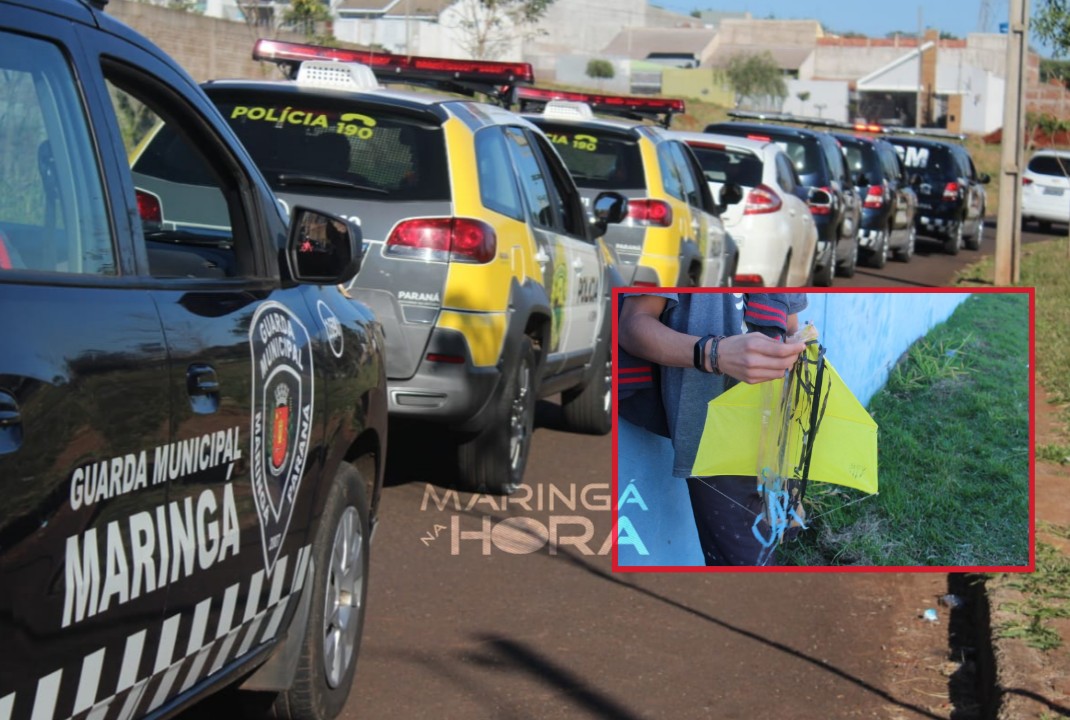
(760, 138)
(874, 197)
(761, 200)
(951, 192)
(650, 212)
(456, 239)
(750, 280)
(644, 283)
(1027, 181)
(149, 207)
(450, 359)
(821, 208)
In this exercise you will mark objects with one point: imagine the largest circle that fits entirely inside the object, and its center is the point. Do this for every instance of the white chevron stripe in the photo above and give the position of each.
(276, 581)
(6, 703)
(226, 614)
(133, 699)
(89, 681)
(200, 623)
(165, 650)
(44, 703)
(131, 661)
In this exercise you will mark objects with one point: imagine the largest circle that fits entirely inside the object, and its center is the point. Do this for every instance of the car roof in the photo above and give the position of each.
(620, 125)
(439, 104)
(1052, 152)
(758, 127)
(755, 146)
(923, 142)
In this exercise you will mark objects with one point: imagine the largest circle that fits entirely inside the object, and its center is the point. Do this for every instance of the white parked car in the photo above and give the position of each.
(772, 226)
(1046, 188)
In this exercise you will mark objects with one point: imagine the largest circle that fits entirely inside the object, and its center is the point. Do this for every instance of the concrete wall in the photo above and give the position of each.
(864, 333)
(828, 99)
(208, 48)
(769, 32)
(572, 70)
(705, 84)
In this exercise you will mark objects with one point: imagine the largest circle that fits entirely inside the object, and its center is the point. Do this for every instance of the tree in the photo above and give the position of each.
(1051, 23)
(756, 77)
(302, 15)
(490, 27)
(599, 69)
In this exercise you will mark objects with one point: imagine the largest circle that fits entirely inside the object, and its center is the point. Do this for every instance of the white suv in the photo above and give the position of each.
(1046, 188)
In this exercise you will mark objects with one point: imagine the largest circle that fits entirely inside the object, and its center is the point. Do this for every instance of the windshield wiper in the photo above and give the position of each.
(323, 181)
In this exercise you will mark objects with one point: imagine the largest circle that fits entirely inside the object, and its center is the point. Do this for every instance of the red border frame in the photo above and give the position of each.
(1030, 291)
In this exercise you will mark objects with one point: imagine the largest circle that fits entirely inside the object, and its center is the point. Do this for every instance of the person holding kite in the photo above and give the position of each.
(679, 351)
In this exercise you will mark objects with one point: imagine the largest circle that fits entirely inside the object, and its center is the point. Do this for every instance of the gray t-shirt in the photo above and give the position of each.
(685, 392)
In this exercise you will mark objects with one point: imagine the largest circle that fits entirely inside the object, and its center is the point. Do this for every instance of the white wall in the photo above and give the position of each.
(864, 333)
(830, 95)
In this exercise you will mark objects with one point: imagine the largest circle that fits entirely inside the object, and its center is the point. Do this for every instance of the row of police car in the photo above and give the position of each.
(213, 297)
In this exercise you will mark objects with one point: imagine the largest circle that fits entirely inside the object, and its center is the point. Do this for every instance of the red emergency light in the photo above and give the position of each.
(605, 103)
(480, 75)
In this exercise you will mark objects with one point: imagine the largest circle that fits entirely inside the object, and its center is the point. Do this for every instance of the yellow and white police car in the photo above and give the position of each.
(481, 263)
(673, 235)
(193, 418)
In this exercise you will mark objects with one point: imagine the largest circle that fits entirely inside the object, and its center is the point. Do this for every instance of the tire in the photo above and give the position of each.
(953, 241)
(973, 242)
(336, 616)
(823, 275)
(906, 252)
(589, 409)
(879, 258)
(847, 267)
(1045, 226)
(493, 460)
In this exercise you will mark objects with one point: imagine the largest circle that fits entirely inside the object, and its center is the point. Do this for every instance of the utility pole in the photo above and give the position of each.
(1009, 220)
(918, 111)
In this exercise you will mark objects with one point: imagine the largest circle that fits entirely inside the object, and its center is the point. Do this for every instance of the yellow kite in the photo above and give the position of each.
(824, 433)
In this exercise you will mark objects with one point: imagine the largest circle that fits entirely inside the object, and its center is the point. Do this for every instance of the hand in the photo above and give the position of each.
(754, 358)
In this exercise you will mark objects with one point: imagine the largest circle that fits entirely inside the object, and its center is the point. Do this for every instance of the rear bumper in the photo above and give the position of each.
(446, 392)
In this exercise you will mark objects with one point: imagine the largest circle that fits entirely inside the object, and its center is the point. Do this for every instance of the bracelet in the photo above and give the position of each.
(713, 355)
(700, 353)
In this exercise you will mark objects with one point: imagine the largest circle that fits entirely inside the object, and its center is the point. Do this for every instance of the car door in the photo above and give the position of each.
(800, 222)
(83, 388)
(711, 240)
(243, 350)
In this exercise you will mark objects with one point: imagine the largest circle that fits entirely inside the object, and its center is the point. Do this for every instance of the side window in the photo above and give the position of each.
(189, 199)
(834, 158)
(890, 163)
(497, 178)
(532, 181)
(53, 212)
(687, 176)
(565, 195)
(670, 173)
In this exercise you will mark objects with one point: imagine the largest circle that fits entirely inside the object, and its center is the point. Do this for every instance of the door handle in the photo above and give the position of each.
(202, 384)
(577, 265)
(541, 257)
(10, 424)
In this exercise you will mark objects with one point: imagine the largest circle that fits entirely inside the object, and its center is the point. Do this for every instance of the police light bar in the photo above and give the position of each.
(873, 128)
(624, 105)
(784, 118)
(492, 78)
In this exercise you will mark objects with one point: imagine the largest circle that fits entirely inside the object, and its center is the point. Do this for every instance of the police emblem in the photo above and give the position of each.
(282, 394)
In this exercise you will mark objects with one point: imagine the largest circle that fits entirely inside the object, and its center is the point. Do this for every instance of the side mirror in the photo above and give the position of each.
(608, 207)
(984, 178)
(819, 198)
(731, 194)
(323, 249)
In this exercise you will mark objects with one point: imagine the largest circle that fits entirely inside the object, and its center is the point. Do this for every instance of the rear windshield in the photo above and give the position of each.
(356, 149)
(597, 161)
(929, 161)
(862, 158)
(804, 152)
(1050, 165)
(733, 166)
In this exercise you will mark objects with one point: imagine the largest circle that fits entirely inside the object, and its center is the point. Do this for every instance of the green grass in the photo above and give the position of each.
(1054, 453)
(953, 453)
(1045, 597)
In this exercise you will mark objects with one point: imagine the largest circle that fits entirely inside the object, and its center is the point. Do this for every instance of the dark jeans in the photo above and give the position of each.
(725, 519)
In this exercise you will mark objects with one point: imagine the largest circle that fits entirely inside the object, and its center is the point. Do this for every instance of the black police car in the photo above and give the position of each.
(888, 199)
(820, 165)
(192, 418)
(951, 193)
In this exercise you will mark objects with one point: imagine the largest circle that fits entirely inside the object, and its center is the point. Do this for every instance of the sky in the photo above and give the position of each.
(874, 18)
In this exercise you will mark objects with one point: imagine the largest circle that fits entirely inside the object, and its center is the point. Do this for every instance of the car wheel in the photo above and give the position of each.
(850, 263)
(493, 460)
(973, 242)
(953, 241)
(590, 409)
(336, 615)
(906, 252)
(1045, 226)
(879, 258)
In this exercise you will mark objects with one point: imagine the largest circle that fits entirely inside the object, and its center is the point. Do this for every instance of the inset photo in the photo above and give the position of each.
(834, 430)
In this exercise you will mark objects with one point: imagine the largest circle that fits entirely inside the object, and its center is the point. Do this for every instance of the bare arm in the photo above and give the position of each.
(751, 358)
